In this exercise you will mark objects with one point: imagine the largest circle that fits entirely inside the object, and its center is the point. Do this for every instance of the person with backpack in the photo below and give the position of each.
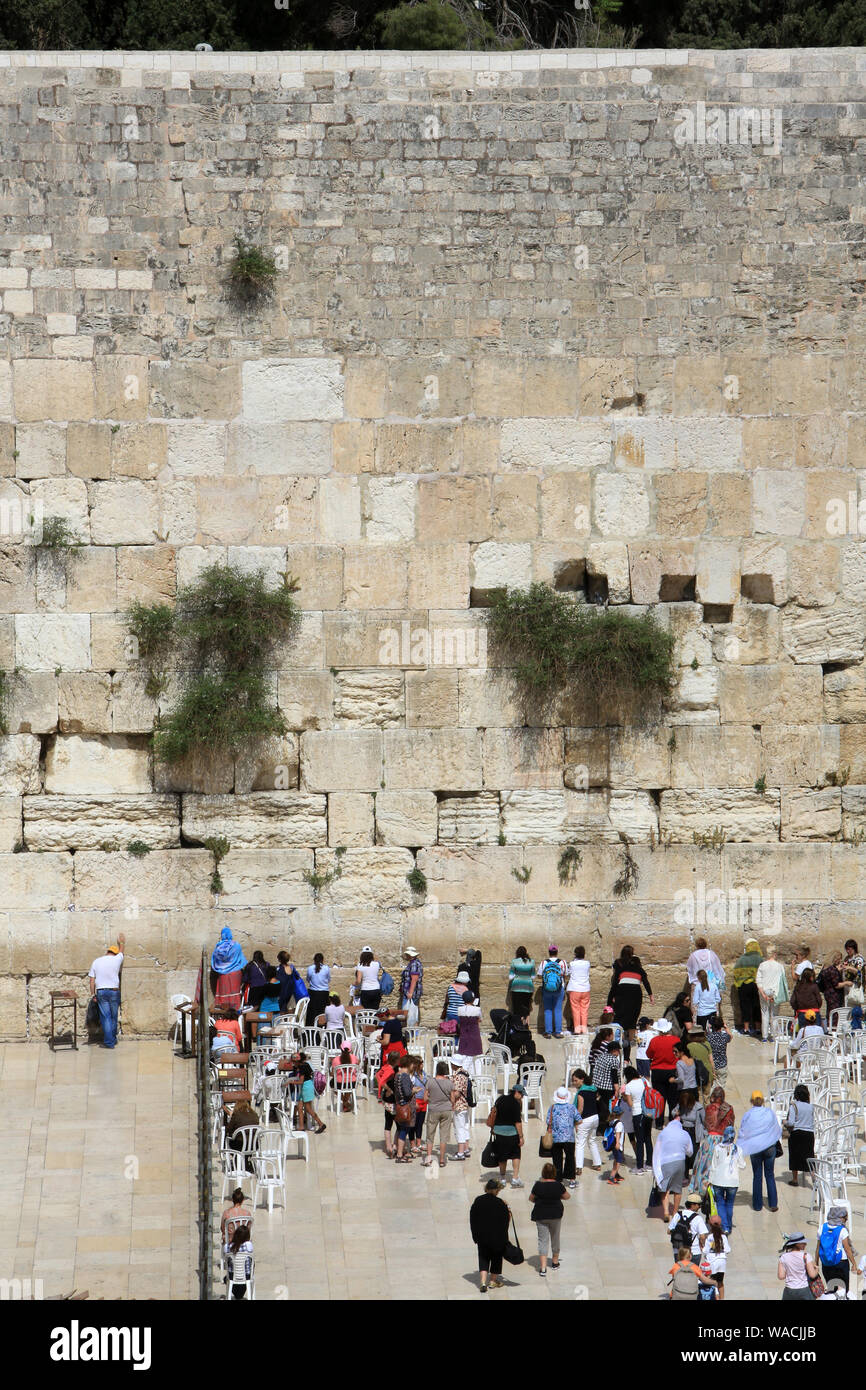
(689, 1227)
(687, 1079)
(461, 1115)
(625, 995)
(586, 1108)
(687, 1278)
(547, 1197)
(797, 1269)
(714, 1256)
(672, 1147)
(800, 1126)
(642, 1115)
(561, 1121)
(614, 1143)
(552, 973)
(723, 1177)
(404, 1108)
(834, 1250)
(661, 1051)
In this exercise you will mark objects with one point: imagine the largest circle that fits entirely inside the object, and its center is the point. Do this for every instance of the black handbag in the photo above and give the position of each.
(513, 1254)
(92, 1020)
(488, 1155)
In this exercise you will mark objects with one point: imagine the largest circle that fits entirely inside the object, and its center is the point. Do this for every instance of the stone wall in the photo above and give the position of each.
(538, 316)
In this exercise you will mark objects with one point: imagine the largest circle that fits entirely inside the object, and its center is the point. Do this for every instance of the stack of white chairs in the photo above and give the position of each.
(484, 1088)
(781, 1031)
(531, 1075)
(839, 1020)
(300, 1013)
(269, 1173)
(292, 1135)
(442, 1048)
(504, 1063)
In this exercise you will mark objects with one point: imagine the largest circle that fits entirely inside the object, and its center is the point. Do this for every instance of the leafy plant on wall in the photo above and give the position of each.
(215, 647)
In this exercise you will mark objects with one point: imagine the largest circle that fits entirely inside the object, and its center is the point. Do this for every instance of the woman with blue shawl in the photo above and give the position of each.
(227, 963)
(760, 1132)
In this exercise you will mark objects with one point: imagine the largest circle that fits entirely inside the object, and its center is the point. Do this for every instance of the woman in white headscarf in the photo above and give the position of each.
(769, 977)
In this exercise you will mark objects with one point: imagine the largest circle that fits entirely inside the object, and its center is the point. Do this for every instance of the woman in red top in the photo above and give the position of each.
(663, 1069)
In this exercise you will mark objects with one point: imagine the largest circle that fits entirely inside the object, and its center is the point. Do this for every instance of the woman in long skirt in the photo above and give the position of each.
(227, 963)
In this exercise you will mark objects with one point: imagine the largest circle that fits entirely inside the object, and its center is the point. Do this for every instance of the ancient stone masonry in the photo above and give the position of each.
(588, 318)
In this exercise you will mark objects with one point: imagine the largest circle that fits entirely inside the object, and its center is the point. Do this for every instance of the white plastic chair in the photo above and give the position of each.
(234, 1170)
(300, 1013)
(246, 1265)
(485, 1094)
(837, 1018)
(504, 1063)
(269, 1175)
(531, 1075)
(347, 1086)
(443, 1048)
(299, 1136)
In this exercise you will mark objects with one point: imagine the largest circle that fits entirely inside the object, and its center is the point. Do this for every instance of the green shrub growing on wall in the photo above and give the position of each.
(216, 643)
(550, 645)
(252, 275)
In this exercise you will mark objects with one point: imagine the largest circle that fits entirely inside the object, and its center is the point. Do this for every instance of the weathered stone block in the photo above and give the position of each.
(77, 766)
(258, 820)
(341, 760)
(124, 513)
(435, 759)
(301, 388)
(351, 819)
(523, 758)
(47, 389)
(76, 822)
(827, 636)
(200, 390)
(439, 576)
(742, 814)
(469, 819)
(431, 699)
(82, 703)
(812, 815)
(375, 578)
(771, 694)
(406, 818)
(369, 697)
(294, 447)
(701, 757)
(555, 444)
(44, 641)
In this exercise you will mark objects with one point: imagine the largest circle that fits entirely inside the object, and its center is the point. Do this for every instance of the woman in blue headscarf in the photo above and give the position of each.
(227, 962)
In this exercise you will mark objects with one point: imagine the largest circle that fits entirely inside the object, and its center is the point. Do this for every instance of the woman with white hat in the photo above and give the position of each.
(796, 1268)
(411, 986)
(561, 1120)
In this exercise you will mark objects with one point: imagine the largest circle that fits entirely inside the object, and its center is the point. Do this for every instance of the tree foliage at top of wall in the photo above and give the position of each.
(616, 661)
(357, 24)
(216, 645)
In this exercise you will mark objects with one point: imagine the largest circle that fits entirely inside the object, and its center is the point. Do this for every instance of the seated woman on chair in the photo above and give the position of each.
(344, 1071)
(239, 1261)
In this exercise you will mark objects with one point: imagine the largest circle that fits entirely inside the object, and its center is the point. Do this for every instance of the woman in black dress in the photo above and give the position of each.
(488, 1221)
(625, 996)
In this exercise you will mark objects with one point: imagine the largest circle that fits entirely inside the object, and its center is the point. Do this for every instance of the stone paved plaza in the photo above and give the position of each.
(357, 1226)
(80, 1126)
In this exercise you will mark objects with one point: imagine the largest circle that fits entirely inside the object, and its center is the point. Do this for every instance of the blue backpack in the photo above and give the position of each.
(552, 977)
(386, 983)
(830, 1245)
(609, 1140)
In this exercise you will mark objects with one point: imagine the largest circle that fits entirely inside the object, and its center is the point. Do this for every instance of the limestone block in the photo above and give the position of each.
(132, 710)
(534, 815)
(754, 636)
(446, 759)
(850, 750)
(469, 819)
(48, 389)
(765, 558)
(301, 388)
(522, 758)
(369, 877)
(258, 820)
(209, 774)
(431, 699)
(178, 512)
(606, 384)
(799, 755)
(146, 574)
(351, 819)
(845, 696)
(649, 564)
(75, 822)
(389, 510)
(453, 509)
(137, 451)
(165, 878)
(480, 874)
(621, 504)
(701, 757)
(811, 815)
(742, 814)
(44, 641)
(565, 507)
(341, 760)
(771, 694)
(82, 702)
(366, 387)
(123, 513)
(13, 1007)
(601, 816)
(514, 515)
(779, 500)
(121, 389)
(681, 504)
(261, 878)
(587, 758)
(270, 764)
(555, 444)
(693, 639)
(698, 385)
(375, 578)
(339, 509)
(7, 449)
(496, 565)
(319, 571)
(731, 504)
(718, 572)
(19, 764)
(814, 576)
(853, 812)
(487, 701)
(696, 689)
(41, 451)
(10, 823)
(497, 385)
(91, 581)
(78, 766)
(6, 391)
(36, 882)
(854, 572)
(88, 450)
(406, 818)
(832, 634)
(639, 758)
(406, 448)
(800, 383)
(293, 447)
(369, 698)
(610, 559)
(182, 389)
(17, 577)
(439, 575)
(30, 702)
(196, 450)
(286, 509)
(713, 444)
(306, 699)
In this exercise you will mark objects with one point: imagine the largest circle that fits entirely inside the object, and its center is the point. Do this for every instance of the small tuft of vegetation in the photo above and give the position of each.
(550, 644)
(522, 875)
(109, 846)
(417, 880)
(58, 540)
(219, 847)
(138, 849)
(569, 862)
(839, 778)
(19, 847)
(252, 275)
(319, 879)
(500, 839)
(710, 839)
(629, 875)
(761, 784)
(4, 699)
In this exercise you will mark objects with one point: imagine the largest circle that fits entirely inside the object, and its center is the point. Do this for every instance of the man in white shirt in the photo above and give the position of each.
(105, 987)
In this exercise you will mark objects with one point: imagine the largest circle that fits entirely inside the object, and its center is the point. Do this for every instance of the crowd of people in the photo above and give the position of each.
(654, 1088)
